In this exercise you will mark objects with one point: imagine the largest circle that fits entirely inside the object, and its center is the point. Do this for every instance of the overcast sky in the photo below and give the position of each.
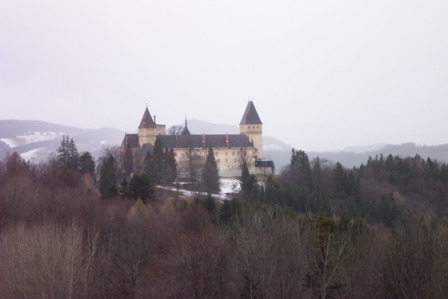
(323, 75)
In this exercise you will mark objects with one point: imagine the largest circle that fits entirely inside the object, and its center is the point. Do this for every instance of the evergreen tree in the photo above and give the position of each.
(340, 179)
(148, 166)
(249, 184)
(158, 159)
(123, 189)
(300, 170)
(210, 174)
(108, 178)
(73, 155)
(140, 186)
(128, 162)
(68, 156)
(171, 169)
(86, 163)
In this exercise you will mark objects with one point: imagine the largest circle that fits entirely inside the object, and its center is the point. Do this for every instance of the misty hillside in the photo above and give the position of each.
(352, 159)
(37, 140)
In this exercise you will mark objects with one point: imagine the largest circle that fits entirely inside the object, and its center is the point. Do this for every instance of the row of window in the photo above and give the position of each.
(204, 152)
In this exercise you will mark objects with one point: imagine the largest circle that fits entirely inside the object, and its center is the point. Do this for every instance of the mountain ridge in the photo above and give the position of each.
(36, 140)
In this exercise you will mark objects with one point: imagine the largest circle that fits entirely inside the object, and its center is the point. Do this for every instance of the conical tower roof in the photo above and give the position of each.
(185, 130)
(250, 116)
(147, 121)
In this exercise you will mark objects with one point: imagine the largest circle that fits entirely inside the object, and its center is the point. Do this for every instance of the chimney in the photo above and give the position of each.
(227, 139)
(203, 140)
(155, 119)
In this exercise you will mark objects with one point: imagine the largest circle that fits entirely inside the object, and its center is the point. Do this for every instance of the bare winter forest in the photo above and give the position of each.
(72, 227)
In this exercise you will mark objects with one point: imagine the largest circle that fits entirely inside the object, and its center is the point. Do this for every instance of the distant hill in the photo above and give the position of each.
(352, 159)
(36, 140)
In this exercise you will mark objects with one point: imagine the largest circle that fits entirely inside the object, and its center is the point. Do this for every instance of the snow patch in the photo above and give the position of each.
(229, 185)
(31, 137)
(12, 143)
(32, 154)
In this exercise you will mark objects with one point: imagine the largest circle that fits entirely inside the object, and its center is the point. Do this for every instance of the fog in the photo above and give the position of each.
(323, 75)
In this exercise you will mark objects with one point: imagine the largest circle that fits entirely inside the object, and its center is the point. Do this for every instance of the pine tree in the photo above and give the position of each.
(158, 160)
(86, 163)
(108, 178)
(123, 189)
(128, 162)
(148, 166)
(140, 186)
(210, 174)
(249, 184)
(68, 156)
(300, 170)
(171, 169)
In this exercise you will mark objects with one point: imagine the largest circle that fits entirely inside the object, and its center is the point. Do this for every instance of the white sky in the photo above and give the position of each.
(323, 74)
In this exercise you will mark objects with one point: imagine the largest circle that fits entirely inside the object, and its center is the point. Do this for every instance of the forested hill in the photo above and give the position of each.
(316, 230)
(379, 190)
(350, 158)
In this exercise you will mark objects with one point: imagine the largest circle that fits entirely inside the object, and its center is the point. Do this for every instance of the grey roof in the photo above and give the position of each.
(147, 121)
(130, 141)
(196, 141)
(250, 116)
(185, 131)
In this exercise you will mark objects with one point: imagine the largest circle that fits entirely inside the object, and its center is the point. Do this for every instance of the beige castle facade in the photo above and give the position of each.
(190, 150)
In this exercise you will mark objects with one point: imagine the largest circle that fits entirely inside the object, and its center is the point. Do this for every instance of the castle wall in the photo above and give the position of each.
(229, 160)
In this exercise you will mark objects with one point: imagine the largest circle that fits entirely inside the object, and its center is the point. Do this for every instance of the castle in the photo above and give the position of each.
(230, 150)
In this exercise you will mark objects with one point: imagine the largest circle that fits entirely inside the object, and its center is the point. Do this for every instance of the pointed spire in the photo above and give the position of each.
(147, 121)
(250, 116)
(185, 130)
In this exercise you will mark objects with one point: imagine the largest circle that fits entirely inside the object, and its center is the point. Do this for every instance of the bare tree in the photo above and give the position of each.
(46, 261)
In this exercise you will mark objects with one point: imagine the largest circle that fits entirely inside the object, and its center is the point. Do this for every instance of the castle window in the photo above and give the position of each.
(226, 153)
(227, 161)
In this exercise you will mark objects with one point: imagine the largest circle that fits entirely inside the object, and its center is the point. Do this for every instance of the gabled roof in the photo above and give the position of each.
(130, 141)
(196, 141)
(250, 116)
(185, 130)
(147, 121)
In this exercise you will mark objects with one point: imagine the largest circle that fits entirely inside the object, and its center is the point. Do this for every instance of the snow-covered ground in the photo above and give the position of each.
(228, 186)
(31, 137)
(30, 155)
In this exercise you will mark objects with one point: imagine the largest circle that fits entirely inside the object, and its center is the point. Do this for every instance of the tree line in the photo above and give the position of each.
(315, 230)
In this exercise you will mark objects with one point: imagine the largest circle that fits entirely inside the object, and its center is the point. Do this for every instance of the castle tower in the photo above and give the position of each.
(252, 127)
(147, 130)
